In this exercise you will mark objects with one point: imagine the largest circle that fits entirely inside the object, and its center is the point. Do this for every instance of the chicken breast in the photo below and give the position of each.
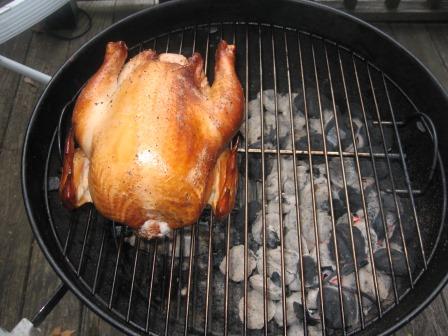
(153, 139)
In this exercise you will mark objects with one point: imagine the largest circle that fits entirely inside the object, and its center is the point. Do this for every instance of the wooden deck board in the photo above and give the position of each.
(17, 240)
(41, 274)
(26, 279)
(439, 36)
(42, 283)
(16, 49)
(9, 305)
(417, 39)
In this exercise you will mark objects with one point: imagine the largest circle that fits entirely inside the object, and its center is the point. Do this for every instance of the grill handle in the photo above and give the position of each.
(431, 129)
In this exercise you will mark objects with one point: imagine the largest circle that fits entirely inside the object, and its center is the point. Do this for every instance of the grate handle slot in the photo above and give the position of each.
(428, 124)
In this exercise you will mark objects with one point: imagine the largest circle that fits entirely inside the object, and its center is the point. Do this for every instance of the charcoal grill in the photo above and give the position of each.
(285, 50)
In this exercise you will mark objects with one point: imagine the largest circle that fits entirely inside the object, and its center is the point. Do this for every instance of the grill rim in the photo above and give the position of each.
(169, 7)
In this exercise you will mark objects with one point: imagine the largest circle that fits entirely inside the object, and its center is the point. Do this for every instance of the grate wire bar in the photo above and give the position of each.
(143, 283)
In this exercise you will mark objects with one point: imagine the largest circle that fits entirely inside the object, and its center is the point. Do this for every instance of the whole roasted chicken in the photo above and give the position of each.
(149, 143)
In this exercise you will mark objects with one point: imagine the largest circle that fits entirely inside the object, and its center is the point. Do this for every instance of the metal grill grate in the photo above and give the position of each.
(176, 286)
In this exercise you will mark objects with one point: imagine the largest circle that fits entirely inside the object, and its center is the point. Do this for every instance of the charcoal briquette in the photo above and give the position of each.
(253, 208)
(276, 279)
(344, 243)
(273, 239)
(312, 103)
(309, 271)
(398, 261)
(333, 309)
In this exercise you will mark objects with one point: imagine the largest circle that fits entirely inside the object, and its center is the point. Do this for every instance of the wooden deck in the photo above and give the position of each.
(26, 279)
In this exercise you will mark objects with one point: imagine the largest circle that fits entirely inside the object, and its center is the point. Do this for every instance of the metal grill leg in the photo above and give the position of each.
(49, 305)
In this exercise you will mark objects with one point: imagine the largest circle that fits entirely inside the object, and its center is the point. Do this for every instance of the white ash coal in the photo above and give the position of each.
(292, 241)
(273, 263)
(313, 304)
(294, 310)
(296, 330)
(326, 259)
(384, 285)
(130, 240)
(313, 330)
(296, 284)
(255, 310)
(274, 290)
(272, 229)
(236, 264)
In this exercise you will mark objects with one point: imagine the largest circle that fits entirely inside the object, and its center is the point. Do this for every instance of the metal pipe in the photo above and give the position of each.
(24, 70)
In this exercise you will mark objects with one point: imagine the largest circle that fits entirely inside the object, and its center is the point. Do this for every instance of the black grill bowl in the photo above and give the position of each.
(72, 242)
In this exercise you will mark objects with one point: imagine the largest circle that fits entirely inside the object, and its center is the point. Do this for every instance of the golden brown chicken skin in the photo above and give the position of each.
(153, 139)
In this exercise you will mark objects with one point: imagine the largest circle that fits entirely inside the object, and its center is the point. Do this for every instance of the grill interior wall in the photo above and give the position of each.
(135, 284)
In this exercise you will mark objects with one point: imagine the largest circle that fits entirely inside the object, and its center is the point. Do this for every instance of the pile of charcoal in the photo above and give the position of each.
(317, 216)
